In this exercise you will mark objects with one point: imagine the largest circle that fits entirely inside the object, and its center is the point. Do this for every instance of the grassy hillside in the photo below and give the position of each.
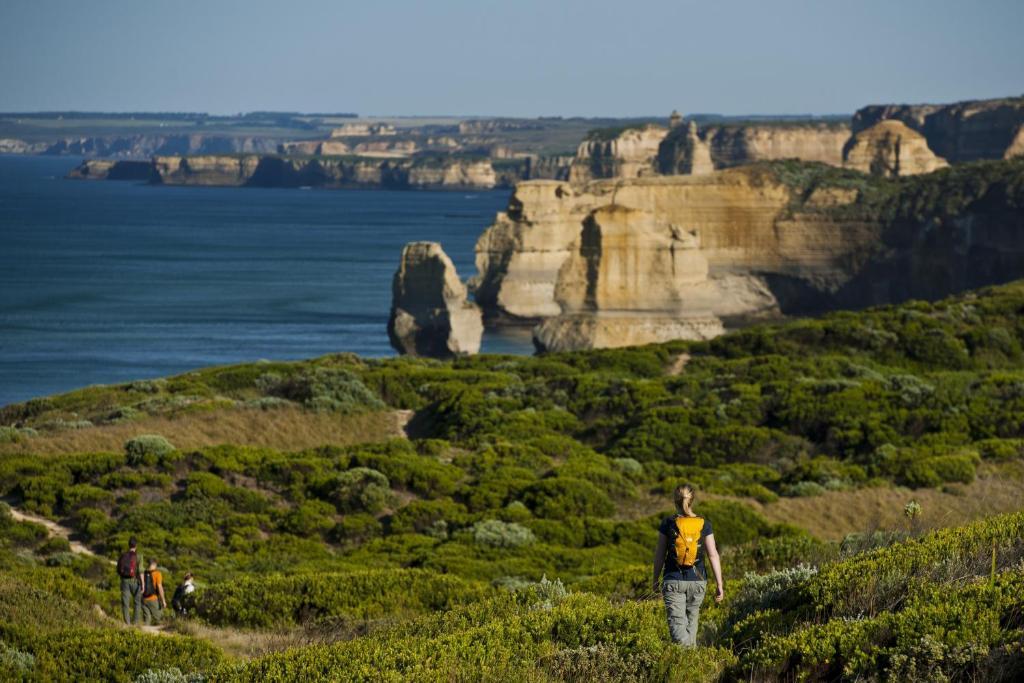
(841, 460)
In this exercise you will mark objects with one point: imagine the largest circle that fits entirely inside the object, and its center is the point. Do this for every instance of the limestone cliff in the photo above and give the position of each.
(331, 172)
(626, 153)
(146, 146)
(430, 315)
(641, 260)
(890, 148)
(111, 169)
(689, 150)
(964, 131)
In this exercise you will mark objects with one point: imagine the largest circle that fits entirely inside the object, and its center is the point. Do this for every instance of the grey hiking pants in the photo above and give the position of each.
(131, 596)
(682, 605)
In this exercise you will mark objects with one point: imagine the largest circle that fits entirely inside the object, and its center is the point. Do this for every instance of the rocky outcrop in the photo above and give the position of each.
(616, 262)
(689, 150)
(890, 148)
(627, 153)
(964, 131)
(110, 169)
(430, 315)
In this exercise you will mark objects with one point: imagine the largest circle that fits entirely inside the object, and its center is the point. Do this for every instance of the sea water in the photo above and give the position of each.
(104, 281)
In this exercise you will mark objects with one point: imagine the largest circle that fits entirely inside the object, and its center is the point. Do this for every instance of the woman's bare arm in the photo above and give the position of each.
(659, 561)
(716, 565)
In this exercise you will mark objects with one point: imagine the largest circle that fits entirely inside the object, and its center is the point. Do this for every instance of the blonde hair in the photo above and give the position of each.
(683, 498)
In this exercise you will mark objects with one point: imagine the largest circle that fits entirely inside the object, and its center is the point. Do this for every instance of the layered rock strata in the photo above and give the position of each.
(635, 261)
(275, 171)
(628, 153)
(430, 315)
(890, 149)
(691, 150)
(964, 131)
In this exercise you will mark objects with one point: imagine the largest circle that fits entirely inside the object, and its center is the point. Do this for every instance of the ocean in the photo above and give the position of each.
(104, 282)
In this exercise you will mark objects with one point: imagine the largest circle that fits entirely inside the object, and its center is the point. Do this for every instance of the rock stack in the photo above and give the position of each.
(430, 314)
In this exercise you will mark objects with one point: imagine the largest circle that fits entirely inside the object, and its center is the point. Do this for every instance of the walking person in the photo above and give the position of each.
(129, 570)
(181, 600)
(680, 574)
(153, 600)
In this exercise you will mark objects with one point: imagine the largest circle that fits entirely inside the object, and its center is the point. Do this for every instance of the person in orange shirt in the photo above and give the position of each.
(153, 600)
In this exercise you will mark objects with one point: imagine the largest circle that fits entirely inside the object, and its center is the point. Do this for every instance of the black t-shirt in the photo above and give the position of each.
(672, 571)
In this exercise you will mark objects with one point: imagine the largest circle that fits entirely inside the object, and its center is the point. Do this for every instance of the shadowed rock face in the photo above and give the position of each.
(692, 150)
(964, 131)
(630, 153)
(890, 149)
(430, 315)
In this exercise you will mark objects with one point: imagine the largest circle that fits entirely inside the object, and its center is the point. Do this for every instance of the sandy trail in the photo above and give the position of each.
(53, 528)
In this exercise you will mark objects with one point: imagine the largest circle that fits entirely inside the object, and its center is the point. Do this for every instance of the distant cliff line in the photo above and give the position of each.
(452, 172)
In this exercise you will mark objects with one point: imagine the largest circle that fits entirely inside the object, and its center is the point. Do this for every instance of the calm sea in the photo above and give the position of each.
(104, 282)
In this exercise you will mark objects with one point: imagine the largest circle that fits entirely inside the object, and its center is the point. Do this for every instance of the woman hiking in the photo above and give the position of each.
(683, 539)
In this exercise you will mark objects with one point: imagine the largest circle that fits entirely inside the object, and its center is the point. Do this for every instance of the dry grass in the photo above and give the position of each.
(835, 514)
(249, 643)
(284, 428)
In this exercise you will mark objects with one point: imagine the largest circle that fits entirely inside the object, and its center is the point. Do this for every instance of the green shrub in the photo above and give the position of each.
(325, 389)
(15, 664)
(147, 449)
(498, 534)
(565, 497)
(263, 601)
(360, 489)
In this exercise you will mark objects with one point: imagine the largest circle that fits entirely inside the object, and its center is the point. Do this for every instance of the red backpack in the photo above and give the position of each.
(128, 565)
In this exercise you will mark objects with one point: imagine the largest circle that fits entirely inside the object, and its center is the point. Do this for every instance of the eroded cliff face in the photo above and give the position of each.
(694, 247)
(145, 146)
(275, 171)
(890, 149)
(629, 153)
(430, 315)
(964, 131)
(611, 263)
(111, 169)
(692, 150)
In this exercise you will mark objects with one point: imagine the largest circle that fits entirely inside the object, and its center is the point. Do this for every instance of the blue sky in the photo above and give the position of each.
(521, 57)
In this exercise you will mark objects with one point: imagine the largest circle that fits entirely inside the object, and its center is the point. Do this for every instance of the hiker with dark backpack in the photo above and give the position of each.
(153, 600)
(129, 568)
(683, 539)
(182, 599)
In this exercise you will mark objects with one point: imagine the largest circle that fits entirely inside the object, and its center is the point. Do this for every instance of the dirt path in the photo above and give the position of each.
(402, 418)
(52, 528)
(678, 363)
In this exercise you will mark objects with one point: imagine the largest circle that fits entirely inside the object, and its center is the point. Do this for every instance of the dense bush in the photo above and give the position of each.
(260, 601)
(147, 449)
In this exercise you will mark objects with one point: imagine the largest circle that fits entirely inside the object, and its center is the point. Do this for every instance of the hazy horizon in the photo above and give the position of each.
(532, 58)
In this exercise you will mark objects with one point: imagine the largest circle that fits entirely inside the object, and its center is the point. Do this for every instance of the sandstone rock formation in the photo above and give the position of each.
(430, 315)
(964, 131)
(276, 171)
(615, 262)
(890, 148)
(627, 153)
(612, 255)
(688, 149)
(146, 146)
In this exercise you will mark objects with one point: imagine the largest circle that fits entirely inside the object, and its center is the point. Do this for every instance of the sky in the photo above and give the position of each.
(509, 57)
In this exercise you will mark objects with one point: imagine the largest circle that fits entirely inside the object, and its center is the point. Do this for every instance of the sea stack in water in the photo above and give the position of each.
(430, 313)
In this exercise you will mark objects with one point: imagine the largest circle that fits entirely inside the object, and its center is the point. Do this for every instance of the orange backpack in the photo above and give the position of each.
(687, 537)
